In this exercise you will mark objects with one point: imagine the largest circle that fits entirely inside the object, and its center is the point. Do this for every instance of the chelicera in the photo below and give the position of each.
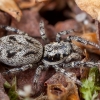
(23, 50)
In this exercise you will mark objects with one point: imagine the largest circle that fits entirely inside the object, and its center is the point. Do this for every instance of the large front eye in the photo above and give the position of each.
(50, 48)
(56, 48)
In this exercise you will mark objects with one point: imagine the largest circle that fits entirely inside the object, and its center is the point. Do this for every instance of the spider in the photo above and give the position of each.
(22, 50)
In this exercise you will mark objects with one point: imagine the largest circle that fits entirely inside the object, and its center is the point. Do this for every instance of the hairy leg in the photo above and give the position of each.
(73, 56)
(38, 73)
(83, 41)
(8, 28)
(42, 31)
(59, 34)
(16, 70)
(68, 74)
(81, 63)
(77, 49)
(76, 38)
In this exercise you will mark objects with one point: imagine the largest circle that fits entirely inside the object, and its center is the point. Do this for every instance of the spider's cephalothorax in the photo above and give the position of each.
(23, 50)
(57, 50)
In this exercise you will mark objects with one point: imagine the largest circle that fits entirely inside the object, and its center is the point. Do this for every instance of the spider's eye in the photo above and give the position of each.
(60, 47)
(50, 49)
(56, 48)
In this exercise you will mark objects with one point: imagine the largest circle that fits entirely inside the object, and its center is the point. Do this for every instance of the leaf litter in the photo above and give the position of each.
(28, 21)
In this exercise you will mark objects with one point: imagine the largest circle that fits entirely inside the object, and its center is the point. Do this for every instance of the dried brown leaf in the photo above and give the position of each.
(28, 4)
(56, 92)
(59, 92)
(61, 88)
(92, 7)
(11, 8)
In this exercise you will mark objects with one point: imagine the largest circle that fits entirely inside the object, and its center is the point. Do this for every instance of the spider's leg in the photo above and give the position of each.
(77, 49)
(83, 41)
(42, 31)
(37, 74)
(78, 63)
(68, 74)
(16, 70)
(59, 34)
(73, 56)
(8, 28)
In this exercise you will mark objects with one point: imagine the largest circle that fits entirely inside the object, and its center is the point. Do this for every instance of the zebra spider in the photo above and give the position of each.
(23, 50)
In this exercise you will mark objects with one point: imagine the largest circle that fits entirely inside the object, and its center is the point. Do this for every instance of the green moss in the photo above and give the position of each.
(90, 86)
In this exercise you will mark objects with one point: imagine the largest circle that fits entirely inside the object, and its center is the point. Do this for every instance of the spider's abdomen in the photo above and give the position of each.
(17, 50)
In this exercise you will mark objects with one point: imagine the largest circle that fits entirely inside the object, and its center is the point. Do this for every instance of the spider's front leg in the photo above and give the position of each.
(8, 28)
(76, 38)
(16, 70)
(68, 74)
(83, 41)
(73, 56)
(59, 34)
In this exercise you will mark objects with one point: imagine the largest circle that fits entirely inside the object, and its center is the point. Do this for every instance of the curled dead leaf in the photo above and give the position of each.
(56, 92)
(60, 87)
(11, 8)
(92, 7)
(26, 4)
(59, 92)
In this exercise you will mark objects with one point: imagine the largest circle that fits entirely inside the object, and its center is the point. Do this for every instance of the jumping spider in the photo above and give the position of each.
(23, 50)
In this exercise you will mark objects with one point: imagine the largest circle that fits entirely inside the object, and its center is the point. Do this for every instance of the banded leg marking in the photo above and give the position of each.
(8, 28)
(42, 31)
(37, 74)
(59, 34)
(83, 41)
(16, 70)
(78, 63)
